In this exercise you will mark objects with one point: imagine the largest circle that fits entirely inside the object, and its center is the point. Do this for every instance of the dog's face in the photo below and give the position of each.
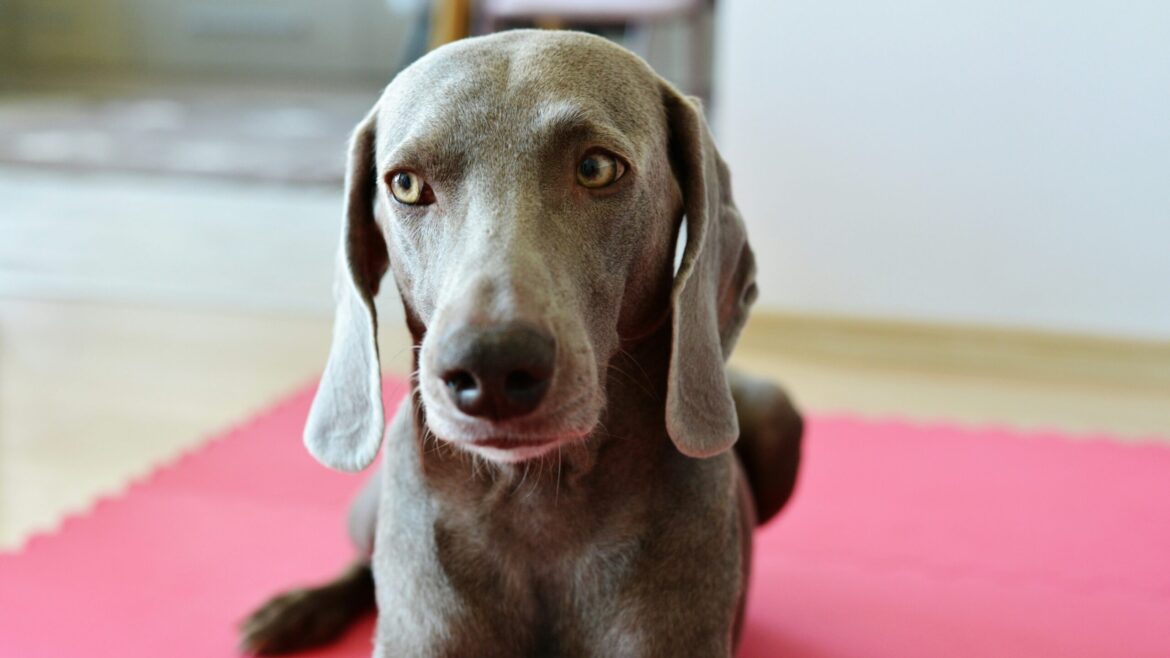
(527, 190)
(527, 199)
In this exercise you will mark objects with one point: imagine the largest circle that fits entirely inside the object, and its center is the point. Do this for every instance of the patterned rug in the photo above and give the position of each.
(227, 131)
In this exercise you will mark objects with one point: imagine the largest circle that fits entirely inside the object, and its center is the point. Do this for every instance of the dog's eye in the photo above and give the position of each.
(598, 169)
(407, 187)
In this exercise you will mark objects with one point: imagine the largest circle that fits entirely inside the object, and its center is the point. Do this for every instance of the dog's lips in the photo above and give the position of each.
(513, 450)
(505, 443)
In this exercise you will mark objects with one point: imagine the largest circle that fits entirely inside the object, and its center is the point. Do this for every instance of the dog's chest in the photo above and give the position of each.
(516, 560)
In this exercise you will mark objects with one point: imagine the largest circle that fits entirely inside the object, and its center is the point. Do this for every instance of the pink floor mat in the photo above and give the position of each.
(903, 540)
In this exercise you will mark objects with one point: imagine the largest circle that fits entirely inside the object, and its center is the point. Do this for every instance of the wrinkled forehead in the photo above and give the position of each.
(515, 91)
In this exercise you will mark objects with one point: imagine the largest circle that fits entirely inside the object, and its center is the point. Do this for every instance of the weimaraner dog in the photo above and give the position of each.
(561, 480)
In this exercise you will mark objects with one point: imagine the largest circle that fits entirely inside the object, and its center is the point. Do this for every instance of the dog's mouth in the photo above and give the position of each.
(511, 442)
(514, 449)
(505, 443)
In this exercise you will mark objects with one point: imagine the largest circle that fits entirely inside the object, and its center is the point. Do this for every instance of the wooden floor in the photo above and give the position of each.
(95, 394)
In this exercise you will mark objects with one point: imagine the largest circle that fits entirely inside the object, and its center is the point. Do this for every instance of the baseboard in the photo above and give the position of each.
(964, 349)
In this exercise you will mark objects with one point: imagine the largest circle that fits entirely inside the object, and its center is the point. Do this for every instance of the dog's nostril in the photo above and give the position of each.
(523, 390)
(466, 392)
(459, 381)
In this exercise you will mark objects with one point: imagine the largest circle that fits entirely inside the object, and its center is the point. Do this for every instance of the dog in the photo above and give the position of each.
(561, 480)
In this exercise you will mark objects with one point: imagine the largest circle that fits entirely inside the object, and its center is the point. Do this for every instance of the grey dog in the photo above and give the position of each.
(574, 272)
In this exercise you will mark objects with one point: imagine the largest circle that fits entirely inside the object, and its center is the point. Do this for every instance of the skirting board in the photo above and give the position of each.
(965, 348)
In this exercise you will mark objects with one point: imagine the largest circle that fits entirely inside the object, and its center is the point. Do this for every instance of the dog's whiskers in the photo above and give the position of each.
(560, 461)
(632, 359)
(634, 381)
(536, 481)
(397, 354)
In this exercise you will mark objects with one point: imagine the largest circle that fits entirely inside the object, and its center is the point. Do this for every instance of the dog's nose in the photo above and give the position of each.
(497, 372)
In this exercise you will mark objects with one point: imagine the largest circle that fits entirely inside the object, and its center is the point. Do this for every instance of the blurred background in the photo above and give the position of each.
(961, 209)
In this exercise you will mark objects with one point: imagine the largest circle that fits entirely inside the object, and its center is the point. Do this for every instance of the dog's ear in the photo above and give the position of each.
(713, 287)
(346, 421)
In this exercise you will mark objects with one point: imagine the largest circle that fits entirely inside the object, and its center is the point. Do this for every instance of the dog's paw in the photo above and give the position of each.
(306, 618)
(293, 621)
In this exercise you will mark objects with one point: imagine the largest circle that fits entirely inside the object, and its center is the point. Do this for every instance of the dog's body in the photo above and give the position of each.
(587, 504)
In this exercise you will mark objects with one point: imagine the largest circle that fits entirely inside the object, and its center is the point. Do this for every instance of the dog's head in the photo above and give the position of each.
(528, 191)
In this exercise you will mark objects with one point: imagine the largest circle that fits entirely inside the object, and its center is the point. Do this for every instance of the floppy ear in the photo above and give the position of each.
(345, 425)
(713, 288)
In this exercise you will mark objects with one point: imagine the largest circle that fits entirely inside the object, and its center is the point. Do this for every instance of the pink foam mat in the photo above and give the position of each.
(903, 540)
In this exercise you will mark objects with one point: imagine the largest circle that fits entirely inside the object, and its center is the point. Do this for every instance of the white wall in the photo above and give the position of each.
(1002, 162)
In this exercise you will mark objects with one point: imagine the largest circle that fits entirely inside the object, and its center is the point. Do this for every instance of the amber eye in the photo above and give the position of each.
(407, 187)
(598, 169)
